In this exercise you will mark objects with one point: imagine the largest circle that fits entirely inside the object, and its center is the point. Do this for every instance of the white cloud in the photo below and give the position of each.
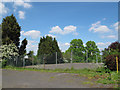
(21, 32)
(67, 44)
(97, 27)
(115, 25)
(50, 35)
(101, 49)
(110, 36)
(33, 34)
(66, 30)
(23, 3)
(101, 44)
(56, 30)
(84, 44)
(3, 9)
(63, 46)
(21, 36)
(32, 45)
(102, 29)
(21, 14)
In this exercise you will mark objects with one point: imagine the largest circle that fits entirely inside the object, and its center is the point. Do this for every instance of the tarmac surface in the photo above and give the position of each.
(37, 79)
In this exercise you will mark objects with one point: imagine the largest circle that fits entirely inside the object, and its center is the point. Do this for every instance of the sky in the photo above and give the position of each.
(65, 21)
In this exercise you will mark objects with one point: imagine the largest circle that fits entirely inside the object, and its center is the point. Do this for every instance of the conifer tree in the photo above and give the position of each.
(10, 31)
(47, 49)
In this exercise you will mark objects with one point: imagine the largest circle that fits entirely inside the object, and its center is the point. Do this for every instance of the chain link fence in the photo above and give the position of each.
(85, 57)
(52, 61)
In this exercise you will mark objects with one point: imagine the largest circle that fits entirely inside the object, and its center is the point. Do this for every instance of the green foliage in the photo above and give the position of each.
(92, 50)
(22, 49)
(30, 59)
(81, 53)
(11, 35)
(0, 34)
(67, 56)
(10, 31)
(3, 63)
(47, 49)
(77, 50)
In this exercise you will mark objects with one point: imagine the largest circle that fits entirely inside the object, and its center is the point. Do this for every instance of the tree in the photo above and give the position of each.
(47, 49)
(30, 56)
(77, 49)
(67, 56)
(11, 34)
(22, 49)
(110, 55)
(0, 34)
(115, 46)
(92, 50)
(10, 31)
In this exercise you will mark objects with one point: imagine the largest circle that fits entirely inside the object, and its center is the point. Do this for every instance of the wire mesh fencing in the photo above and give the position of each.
(52, 61)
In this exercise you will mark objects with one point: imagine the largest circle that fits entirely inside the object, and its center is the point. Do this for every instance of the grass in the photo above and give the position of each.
(88, 82)
(101, 75)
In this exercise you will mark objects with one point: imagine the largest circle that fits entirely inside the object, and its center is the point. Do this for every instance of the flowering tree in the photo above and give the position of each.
(8, 51)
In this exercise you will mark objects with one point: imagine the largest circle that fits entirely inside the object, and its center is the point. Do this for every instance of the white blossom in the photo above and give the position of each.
(7, 51)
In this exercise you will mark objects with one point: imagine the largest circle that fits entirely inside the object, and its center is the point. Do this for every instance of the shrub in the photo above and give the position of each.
(7, 53)
(110, 61)
(3, 63)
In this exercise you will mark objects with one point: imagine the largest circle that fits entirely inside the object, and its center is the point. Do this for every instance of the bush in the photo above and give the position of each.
(3, 63)
(110, 61)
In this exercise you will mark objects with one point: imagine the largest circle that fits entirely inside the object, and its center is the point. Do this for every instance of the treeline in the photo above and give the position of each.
(80, 53)
(12, 53)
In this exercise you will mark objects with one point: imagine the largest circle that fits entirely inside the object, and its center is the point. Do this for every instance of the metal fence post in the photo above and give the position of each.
(96, 59)
(56, 59)
(86, 56)
(16, 60)
(44, 60)
(23, 62)
(71, 56)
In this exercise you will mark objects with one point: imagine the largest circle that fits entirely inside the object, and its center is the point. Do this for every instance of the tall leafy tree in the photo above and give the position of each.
(10, 30)
(92, 50)
(77, 48)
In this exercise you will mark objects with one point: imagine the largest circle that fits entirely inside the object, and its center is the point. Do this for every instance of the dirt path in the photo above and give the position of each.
(35, 79)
